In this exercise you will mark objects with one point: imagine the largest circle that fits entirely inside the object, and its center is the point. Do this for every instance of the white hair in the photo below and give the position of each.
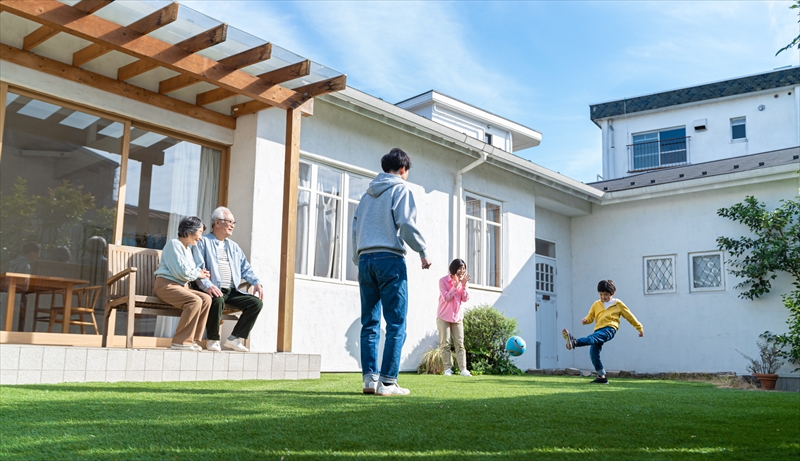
(219, 213)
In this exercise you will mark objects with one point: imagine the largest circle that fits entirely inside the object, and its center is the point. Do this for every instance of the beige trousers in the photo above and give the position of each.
(195, 305)
(448, 330)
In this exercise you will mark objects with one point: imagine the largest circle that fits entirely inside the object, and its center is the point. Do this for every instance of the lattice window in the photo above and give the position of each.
(659, 274)
(545, 277)
(706, 271)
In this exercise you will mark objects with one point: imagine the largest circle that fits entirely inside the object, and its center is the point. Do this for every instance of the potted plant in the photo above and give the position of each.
(765, 367)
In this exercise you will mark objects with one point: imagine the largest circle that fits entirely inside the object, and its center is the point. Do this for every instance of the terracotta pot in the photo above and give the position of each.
(767, 381)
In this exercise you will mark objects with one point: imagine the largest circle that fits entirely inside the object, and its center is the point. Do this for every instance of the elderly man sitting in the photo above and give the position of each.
(228, 266)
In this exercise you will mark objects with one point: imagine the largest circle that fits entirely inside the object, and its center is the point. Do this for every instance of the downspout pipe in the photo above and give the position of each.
(459, 196)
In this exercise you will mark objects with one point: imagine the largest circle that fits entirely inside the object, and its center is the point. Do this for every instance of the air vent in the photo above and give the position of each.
(704, 173)
(699, 125)
(680, 175)
(736, 167)
(760, 163)
(633, 183)
(652, 181)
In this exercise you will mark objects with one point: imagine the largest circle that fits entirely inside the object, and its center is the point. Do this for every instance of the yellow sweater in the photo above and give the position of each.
(610, 317)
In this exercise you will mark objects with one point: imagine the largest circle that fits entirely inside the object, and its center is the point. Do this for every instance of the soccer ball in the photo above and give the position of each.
(515, 346)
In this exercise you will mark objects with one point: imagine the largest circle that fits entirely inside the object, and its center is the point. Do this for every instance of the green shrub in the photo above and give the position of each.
(485, 334)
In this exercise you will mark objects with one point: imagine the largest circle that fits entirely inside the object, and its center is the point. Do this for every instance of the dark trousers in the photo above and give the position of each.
(249, 305)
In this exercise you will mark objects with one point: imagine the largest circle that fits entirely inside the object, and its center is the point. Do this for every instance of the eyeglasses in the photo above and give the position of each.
(227, 221)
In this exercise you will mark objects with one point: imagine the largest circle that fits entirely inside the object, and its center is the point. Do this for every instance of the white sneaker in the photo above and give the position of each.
(370, 386)
(448, 372)
(465, 373)
(213, 346)
(182, 347)
(196, 347)
(391, 389)
(235, 345)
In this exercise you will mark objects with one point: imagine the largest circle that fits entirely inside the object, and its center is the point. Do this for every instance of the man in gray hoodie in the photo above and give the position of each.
(384, 222)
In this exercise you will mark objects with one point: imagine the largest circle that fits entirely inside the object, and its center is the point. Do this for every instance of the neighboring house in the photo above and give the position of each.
(536, 241)
(670, 161)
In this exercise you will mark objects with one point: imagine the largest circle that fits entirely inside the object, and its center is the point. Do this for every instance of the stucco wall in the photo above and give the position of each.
(692, 332)
(327, 313)
(776, 127)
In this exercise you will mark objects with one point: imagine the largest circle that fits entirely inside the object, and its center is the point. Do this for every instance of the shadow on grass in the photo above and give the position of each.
(484, 418)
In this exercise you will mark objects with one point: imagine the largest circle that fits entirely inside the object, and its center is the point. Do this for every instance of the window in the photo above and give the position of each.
(738, 129)
(487, 138)
(659, 274)
(658, 149)
(545, 248)
(705, 271)
(483, 238)
(327, 199)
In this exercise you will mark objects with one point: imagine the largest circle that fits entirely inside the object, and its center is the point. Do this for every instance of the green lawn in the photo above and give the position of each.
(484, 417)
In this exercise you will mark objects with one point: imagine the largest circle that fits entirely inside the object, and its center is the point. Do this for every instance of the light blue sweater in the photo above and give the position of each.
(177, 263)
(385, 219)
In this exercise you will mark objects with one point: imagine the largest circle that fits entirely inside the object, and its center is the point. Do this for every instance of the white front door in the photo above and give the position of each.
(546, 313)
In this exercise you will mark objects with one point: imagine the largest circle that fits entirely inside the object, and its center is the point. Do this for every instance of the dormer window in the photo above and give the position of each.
(487, 138)
(658, 149)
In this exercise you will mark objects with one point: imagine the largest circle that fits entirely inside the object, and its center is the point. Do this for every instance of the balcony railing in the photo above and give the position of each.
(658, 154)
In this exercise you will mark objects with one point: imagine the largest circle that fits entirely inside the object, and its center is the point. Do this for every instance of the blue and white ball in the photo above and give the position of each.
(515, 346)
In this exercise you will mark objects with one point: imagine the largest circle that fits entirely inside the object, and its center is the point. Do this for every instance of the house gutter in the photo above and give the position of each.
(459, 196)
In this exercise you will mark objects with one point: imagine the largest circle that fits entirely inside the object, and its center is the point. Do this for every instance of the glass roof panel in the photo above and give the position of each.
(191, 22)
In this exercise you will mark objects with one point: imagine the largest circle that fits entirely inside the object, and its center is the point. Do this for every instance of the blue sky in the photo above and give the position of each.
(539, 63)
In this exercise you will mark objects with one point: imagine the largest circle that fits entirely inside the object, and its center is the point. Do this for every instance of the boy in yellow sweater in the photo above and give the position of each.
(606, 312)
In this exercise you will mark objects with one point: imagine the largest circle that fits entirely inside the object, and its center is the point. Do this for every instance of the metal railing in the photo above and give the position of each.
(658, 154)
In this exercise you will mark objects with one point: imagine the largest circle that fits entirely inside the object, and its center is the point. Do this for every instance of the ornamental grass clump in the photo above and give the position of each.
(485, 334)
(432, 362)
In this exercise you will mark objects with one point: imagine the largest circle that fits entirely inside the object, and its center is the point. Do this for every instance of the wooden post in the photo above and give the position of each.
(3, 98)
(291, 169)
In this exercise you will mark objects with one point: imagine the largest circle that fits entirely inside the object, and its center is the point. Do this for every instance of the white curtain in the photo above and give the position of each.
(327, 250)
(209, 183)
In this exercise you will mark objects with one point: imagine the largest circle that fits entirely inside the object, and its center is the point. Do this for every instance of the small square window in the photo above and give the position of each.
(738, 128)
(659, 274)
(706, 271)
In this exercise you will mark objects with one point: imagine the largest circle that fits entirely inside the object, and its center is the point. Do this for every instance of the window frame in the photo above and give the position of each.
(738, 121)
(484, 275)
(673, 259)
(343, 219)
(659, 141)
(128, 122)
(691, 256)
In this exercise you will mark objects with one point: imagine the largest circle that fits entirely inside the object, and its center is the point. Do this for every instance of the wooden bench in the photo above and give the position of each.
(130, 288)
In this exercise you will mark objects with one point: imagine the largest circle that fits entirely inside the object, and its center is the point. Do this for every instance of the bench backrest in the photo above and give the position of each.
(144, 259)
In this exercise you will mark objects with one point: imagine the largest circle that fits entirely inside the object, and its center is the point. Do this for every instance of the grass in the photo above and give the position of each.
(484, 417)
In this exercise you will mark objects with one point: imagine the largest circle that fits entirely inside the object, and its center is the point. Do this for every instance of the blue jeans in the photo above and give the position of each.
(383, 281)
(596, 341)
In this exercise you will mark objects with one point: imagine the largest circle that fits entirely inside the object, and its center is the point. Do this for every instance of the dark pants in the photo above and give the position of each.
(249, 305)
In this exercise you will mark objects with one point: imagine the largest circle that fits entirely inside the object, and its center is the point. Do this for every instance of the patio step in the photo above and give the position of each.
(29, 364)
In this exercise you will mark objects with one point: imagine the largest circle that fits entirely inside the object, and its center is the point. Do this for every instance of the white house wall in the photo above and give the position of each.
(775, 127)
(327, 313)
(688, 332)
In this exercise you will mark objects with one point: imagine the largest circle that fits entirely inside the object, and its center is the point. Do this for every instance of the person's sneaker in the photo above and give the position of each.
(196, 347)
(600, 381)
(213, 346)
(235, 345)
(370, 386)
(448, 372)
(465, 373)
(391, 389)
(182, 347)
(570, 339)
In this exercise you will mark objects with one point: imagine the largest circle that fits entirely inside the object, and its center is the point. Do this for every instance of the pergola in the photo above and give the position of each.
(176, 59)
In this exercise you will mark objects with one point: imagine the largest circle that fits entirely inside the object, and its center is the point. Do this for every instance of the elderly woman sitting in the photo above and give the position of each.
(176, 269)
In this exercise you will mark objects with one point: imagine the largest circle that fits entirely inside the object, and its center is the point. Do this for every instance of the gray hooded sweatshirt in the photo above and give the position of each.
(386, 219)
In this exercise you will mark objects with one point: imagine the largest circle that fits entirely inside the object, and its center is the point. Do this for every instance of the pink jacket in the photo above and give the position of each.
(450, 298)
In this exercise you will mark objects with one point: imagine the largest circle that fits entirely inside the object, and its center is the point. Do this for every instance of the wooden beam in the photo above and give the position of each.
(144, 26)
(273, 77)
(101, 82)
(3, 99)
(191, 45)
(237, 61)
(44, 33)
(311, 90)
(98, 30)
(291, 169)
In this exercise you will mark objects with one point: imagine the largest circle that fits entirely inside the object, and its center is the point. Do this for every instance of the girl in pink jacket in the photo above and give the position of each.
(450, 317)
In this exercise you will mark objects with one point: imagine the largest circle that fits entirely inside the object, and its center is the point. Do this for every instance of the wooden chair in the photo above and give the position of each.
(87, 300)
(130, 288)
